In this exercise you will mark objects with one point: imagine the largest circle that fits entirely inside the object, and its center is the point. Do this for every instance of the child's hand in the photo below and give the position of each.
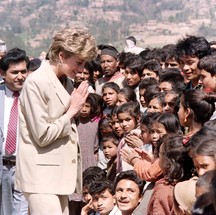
(88, 207)
(133, 140)
(129, 155)
(145, 155)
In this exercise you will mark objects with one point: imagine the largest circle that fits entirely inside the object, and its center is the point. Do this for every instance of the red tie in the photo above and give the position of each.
(10, 145)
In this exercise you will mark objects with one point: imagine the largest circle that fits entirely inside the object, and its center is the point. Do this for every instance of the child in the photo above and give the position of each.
(90, 175)
(143, 85)
(104, 129)
(126, 95)
(145, 163)
(207, 67)
(89, 142)
(129, 117)
(116, 127)
(110, 92)
(103, 201)
(176, 166)
(110, 144)
(151, 68)
(196, 108)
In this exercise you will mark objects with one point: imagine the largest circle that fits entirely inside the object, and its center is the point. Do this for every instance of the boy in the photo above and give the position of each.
(103, 201)
(207, 66)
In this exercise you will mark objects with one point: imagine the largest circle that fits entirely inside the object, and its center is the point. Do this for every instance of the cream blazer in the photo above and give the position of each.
(48, 157)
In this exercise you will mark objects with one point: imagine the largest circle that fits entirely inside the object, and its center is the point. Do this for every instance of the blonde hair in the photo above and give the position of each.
(75, 41)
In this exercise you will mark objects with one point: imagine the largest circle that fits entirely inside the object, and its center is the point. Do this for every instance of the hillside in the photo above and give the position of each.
(30, 24)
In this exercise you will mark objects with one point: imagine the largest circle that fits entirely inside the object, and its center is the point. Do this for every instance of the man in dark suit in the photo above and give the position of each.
(13, 67)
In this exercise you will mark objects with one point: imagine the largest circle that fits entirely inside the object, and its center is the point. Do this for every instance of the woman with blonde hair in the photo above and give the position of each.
(48, 158)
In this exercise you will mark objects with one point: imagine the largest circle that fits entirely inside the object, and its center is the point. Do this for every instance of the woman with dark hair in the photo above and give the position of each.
(196, 108)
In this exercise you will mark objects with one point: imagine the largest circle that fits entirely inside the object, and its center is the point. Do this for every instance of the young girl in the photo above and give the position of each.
(110, 92)
(196, 108)
(176, 166)
(202, 150)
(104, 129)
(110, 144)
(125, 95)
(116, 127)
(88, 120)
(129, 117)
(146, 164)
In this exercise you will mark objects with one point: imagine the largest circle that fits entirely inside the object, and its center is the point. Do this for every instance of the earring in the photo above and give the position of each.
(60, 63)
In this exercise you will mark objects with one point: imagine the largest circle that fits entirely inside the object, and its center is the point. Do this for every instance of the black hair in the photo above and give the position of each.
(201, 104)
(174, 77)
(97, 187)
(129, 94)
(14, 55)
(208, 63)
(153, 66)
(177, 165)
(193, 46)
(133, 108)
(146, 82)
(96, 103)
(112, 138)
(111, 85)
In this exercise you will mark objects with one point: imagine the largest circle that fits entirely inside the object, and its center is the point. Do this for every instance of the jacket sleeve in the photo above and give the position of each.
(44, 119)
(148, 171)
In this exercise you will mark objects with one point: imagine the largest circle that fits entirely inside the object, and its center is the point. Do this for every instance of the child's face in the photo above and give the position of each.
(109, 149)
(189, 67)
(144, 133)
(127, 122)
(165, 86)
(147, 74)
(141, 97)
(86, 110)
(82, 75)
(154, 106)
(110, 97)
(105, 130)
(116, 126)
(87, 197)
(182, 115)
(169, 103)
(132, 78)
(203, 163)
(208, 81)
(121, 99)
(103, 202)
(157, 132)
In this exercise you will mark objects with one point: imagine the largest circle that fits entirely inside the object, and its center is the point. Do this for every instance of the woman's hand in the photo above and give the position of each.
(78, 99)
(145, 155)
(129, 155)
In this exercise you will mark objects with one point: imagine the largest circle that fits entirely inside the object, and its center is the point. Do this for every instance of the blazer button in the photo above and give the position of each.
(73, 141)
(74, 161)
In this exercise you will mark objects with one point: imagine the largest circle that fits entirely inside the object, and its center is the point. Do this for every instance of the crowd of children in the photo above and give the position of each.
(150, 145)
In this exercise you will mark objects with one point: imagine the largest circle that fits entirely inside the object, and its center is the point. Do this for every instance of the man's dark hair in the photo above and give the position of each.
(132, 176)
(193, 46)
(14, 55)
